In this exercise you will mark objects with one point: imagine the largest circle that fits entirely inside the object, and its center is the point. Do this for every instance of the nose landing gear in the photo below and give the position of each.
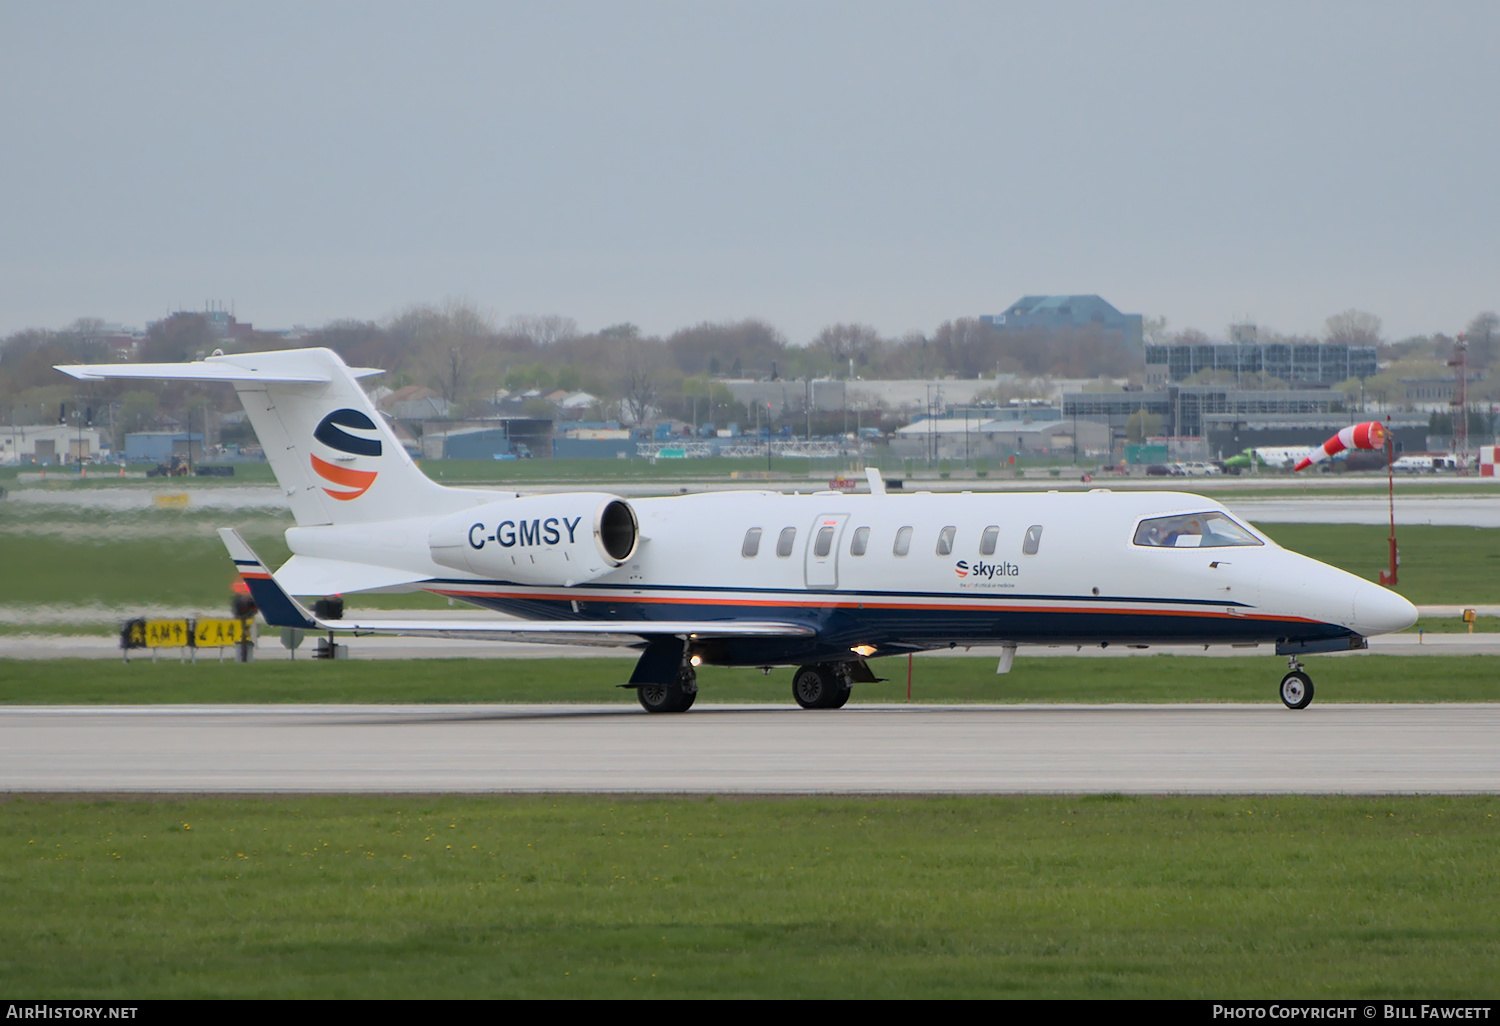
(1296, 686)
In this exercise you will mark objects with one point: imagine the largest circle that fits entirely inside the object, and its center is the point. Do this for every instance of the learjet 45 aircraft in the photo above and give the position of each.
(822, 581)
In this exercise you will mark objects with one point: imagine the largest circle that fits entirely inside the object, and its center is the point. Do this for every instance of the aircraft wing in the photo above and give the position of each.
(282, 610)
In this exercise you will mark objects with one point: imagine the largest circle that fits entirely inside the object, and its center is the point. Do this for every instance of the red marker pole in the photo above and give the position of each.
(1389, 578)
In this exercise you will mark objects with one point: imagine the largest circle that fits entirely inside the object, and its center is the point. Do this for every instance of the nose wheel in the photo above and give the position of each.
(1296, 688)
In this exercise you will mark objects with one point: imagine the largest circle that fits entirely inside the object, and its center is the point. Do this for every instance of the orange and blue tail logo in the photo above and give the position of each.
(352, 433)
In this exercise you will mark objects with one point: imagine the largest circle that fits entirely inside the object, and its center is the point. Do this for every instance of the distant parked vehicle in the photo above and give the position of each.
(177, 468)
(1425, 463)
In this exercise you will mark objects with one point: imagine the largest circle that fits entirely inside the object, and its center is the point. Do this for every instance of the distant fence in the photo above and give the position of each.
(746, 448)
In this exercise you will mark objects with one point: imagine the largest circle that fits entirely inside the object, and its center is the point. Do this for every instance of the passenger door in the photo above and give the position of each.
(822, 560)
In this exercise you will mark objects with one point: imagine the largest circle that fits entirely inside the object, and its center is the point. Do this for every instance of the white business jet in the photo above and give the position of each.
(821, 581)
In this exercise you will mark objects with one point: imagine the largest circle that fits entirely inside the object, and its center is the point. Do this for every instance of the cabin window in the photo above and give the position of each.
(1033, 540)
(1193, 531)
(824, 543)
(751, 548)
(786, 541)
(903, 542)
(860, 543)
(987, 541)
(945, 541)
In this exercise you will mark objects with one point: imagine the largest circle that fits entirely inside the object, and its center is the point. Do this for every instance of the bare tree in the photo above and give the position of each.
(542, 329)
(1483, 336)
(1355, 328)
(641, 368)
(453, 339)
(841, 343)
(714, 348)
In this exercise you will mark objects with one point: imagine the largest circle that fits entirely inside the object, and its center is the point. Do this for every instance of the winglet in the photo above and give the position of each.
(279, 608)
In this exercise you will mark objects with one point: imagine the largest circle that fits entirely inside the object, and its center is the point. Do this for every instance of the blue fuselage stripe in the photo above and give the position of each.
(844, 621)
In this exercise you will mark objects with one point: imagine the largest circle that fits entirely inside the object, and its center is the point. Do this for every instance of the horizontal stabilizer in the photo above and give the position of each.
(213, 369)
(282, 610)
(314, 575)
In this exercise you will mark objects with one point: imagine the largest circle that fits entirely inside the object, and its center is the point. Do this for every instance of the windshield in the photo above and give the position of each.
(1193, 530)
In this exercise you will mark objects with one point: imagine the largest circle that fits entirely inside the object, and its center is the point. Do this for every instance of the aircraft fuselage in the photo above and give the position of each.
(899, 573)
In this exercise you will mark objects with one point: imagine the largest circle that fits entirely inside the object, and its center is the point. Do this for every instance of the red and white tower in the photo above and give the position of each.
(1461, 404)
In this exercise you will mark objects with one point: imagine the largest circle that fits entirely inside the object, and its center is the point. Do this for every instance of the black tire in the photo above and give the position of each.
(665, 698)
(1296, 690)
(818, 687)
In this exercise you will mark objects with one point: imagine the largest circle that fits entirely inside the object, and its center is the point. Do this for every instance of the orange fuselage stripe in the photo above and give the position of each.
(817, 604)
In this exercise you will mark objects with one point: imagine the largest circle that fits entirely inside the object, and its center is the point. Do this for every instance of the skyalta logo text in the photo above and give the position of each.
(986, 571)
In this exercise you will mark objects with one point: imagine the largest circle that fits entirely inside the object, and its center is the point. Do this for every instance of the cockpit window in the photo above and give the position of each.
(1193, 530)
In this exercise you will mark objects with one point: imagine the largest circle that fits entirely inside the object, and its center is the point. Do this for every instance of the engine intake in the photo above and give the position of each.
(545, 539)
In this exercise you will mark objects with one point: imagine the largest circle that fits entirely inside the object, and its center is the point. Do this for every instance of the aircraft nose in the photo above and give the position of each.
(1379, 610)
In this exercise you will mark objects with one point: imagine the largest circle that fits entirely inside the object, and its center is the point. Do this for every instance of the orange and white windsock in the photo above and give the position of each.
(1370, 435)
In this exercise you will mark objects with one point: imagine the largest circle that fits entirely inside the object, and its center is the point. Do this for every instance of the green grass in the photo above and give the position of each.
(540, 472)
(1455, 625)
(181, 561)
(1439, 565)
(596, 897)
(81, 557)
(1138, 678)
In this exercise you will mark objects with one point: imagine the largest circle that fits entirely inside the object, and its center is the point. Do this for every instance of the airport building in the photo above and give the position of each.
(48, 444)
(977, 437)
(1300, 365)
(495, 438)
(1184, 409)
(1068, 314)
(159, 446)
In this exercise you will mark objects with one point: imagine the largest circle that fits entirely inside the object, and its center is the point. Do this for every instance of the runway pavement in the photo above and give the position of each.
(1445, 511)
(1365, 749)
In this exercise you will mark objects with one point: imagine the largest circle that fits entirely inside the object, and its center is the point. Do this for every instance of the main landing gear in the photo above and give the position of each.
(675, 697)
(1296, 687)
(816, 686)
(822, 686)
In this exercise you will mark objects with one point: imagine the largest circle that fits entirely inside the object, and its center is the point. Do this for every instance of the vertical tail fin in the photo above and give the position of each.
(333, 454)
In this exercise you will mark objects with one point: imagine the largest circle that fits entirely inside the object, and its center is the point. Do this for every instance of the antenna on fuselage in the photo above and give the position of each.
(877, 486)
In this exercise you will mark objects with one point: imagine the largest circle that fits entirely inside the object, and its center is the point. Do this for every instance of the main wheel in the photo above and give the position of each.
(666, 698)
(818, 687)
(1296, 690)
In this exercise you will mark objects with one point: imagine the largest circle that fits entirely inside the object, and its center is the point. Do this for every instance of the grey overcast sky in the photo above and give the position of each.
(807, 162)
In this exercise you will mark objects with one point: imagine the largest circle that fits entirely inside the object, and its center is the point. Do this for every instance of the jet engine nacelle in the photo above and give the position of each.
(560, 539)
